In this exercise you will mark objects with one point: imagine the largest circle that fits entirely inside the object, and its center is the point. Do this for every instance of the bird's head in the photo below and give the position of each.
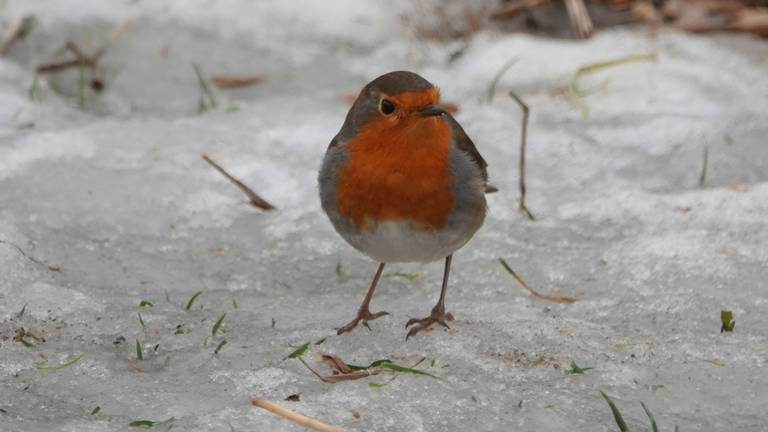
(397, 100)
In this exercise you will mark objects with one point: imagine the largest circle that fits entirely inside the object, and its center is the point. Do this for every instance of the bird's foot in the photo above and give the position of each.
(364, 315)
(438, 315)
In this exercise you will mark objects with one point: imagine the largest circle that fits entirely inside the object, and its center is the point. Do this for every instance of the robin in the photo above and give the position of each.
(402, 182)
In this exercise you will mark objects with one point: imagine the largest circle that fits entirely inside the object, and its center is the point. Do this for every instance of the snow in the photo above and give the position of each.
(118, 198)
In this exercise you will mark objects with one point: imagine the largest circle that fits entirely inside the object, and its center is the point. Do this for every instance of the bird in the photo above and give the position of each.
(402, 182)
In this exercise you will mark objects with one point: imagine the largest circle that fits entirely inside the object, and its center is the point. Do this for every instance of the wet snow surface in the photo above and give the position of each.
(118, 198)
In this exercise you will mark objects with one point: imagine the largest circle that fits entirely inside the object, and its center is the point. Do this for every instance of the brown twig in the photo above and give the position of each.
(223, 81)
(579, 16)
(19, 28)
(84, 59)
(255, 199)
(81, 59)
(58, 66)
(521, 162)
(293, 416)
(322, 378)
(550, 297)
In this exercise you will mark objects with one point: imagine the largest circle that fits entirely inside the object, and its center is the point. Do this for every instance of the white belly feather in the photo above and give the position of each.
(400, 242)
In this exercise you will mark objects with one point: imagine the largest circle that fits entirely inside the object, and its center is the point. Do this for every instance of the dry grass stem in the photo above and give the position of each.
(255, 199)
(222, 81)
(550, 297)
(577, 94)
(293, 416)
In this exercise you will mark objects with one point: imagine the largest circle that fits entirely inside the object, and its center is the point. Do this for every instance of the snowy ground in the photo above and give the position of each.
(118, 199)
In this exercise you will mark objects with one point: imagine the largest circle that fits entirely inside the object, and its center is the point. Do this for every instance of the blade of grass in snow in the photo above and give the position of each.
(139, 351)
(497, 78)
(34, 89)
(96, 410)
(206, 100)
(141, 321)
(379, 385)
(220, 346)
(65, 364)
(298, 352)
(372, 365)
(145, 303)
(703, 175)
(398, 368)
(654, 428)
(616, 414)
(408, 276)
(578, 95)
(726, 318)
(192, 300)
(168, 423)
(388, 364)
(575, 369)
(217, 325)
(81, 86)
(19, 337)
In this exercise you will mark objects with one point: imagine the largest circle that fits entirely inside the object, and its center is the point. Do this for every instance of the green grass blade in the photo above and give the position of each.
(374, 364)
(575, 92)
(703, 175)
(616, 414)
(146, 424)
(81, 86)
(220, 346)
(497, 78)
(139, 353)
(192, 300)
(398, 368)
(654, 428)
(298, 352)
(218, 325)
(65, 364)
(575, 369)
(726, 318)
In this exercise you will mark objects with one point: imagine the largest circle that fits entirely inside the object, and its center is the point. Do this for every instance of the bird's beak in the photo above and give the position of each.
(431, 111)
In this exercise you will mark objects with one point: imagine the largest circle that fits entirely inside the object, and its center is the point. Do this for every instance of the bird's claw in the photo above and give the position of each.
(362, 316)
(438, 317)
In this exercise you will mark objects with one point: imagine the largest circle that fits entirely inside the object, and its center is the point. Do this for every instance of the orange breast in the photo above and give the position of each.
(397, 173)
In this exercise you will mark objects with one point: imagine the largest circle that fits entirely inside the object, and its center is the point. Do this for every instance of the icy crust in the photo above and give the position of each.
(114, 206)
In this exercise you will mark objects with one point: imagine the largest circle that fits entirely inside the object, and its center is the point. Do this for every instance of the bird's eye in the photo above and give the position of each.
(386, 107)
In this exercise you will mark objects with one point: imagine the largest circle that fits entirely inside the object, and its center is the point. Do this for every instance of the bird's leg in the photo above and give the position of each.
(364, 314)
(438, 314)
